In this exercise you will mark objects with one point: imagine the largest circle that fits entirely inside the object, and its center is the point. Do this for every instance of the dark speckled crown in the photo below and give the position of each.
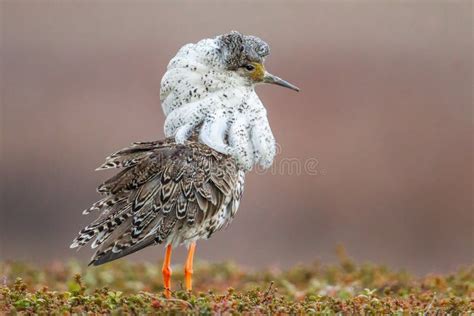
(238, 49)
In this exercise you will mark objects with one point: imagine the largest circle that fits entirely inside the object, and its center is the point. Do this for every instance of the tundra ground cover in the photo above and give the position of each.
(123, 287)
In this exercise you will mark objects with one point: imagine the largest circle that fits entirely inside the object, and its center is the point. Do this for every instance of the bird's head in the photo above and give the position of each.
(245, 55)
(209, 89)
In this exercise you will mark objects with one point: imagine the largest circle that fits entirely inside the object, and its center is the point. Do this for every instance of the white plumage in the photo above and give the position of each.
(199, 93)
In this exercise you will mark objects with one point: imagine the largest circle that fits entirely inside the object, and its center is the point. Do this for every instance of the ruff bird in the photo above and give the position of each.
(188, 186)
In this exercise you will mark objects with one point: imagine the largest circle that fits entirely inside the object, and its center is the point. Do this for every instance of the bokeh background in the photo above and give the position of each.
(385, 109)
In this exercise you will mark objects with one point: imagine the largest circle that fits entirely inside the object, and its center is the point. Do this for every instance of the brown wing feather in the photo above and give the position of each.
(163, 188)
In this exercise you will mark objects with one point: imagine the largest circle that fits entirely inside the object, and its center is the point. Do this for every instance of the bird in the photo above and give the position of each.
(187, 186)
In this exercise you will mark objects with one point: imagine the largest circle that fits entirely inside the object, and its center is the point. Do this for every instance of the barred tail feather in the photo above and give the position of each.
(103, 257)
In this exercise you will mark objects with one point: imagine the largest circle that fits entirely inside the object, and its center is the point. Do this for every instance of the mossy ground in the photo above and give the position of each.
(135, 288)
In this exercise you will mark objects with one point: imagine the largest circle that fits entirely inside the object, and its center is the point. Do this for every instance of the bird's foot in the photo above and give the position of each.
(167, 292)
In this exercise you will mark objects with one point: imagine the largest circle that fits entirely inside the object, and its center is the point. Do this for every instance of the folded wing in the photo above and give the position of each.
(163, 190)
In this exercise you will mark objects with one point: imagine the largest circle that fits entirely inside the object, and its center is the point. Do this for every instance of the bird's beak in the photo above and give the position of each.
(269, 78)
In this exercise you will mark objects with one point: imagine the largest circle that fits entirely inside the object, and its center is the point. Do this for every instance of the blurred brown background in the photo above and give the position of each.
(385, 108)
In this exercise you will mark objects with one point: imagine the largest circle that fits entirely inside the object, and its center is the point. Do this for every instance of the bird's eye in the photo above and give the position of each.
(249, 67)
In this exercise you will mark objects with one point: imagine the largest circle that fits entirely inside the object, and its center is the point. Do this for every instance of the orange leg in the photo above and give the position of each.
(188, 268)
(166, 270)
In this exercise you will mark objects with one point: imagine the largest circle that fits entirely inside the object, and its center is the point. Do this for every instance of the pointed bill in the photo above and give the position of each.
(269, 78)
